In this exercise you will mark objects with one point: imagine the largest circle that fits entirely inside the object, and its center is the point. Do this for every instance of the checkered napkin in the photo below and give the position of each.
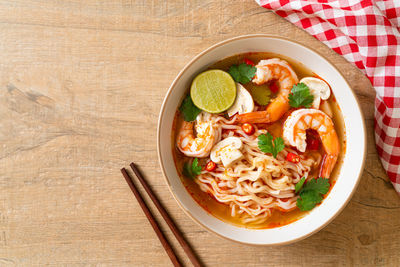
(366, 33)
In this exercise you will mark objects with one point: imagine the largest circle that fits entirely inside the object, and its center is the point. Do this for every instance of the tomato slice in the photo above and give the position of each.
(313, 141)
(313, 144)
(274, 87)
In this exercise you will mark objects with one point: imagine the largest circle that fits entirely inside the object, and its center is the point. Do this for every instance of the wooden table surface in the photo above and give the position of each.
(81, 84)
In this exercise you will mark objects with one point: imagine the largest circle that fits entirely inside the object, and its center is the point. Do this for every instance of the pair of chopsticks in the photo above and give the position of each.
(178, 235)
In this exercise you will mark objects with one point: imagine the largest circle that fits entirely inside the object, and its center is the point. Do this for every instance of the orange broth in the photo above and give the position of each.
(278, 218)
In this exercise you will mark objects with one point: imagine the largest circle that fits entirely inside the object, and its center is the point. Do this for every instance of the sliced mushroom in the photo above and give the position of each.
(227, 151)
(318, 88)
(244, 102)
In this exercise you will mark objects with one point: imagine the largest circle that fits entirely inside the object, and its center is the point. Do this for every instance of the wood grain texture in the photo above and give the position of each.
(81, 84)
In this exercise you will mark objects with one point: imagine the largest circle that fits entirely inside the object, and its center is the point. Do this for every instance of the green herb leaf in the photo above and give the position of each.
(321, 185)
(267, 145)
(242, 73)
(312, 193)
(188, 109)
(300, 96)
(196, 168)
(308, 200)
(299, 185)
(191, 170)
(278, 145)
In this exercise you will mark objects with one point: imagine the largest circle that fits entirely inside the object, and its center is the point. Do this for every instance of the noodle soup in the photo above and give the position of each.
(269, 157)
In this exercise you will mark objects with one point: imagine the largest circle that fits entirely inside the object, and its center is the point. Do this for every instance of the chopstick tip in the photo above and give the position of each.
(133, 166)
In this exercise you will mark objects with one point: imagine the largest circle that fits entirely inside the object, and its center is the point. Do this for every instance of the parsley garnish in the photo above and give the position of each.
(267, 145)
(188, 109)
(191, 170)
(242, 73)
(300, 96)
(311, 193)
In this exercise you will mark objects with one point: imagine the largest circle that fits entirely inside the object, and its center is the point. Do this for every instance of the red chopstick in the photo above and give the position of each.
(151, 219)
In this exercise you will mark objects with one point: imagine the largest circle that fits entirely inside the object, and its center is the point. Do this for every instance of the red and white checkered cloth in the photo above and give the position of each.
(366, 33)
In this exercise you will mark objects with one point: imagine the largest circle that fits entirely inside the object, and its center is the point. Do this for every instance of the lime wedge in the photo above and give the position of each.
(213, 91)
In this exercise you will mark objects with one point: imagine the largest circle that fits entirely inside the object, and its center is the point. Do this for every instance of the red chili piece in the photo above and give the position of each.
(249, 62)
(248, 128)
(293, 157)
(211, 166)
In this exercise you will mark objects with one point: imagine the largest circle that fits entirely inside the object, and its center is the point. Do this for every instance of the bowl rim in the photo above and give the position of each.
(167, 96)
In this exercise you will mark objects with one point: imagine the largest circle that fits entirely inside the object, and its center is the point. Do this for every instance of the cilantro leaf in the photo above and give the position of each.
(299, 185)
(278, 145)
(308, 200)
(242, 73)
(196, 168)
(267, 145)
(300, 96)
(188, 109)
(311, 193)
(321, 185)
(191, 170)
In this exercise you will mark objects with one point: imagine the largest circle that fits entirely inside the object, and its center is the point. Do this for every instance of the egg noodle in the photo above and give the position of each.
(258, 183)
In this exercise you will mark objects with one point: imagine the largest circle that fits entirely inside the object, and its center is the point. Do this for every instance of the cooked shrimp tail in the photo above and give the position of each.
(294, 134)
(268, 70)
(201, 144)
(274, 112)
(327, 165)
(254, 117)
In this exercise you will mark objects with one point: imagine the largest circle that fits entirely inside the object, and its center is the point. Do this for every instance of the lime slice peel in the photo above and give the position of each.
(213, 91)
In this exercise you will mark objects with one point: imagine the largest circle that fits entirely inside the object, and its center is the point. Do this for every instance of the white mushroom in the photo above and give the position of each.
(227, 151)
(244, 102)
(318, 88)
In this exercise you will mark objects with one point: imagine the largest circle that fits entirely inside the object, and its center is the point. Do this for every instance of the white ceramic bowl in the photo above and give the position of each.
(353, 159)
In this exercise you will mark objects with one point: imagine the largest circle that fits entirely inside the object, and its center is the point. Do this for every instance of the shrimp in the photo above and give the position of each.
(267, 70)
(207, 136)
(294, 134)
